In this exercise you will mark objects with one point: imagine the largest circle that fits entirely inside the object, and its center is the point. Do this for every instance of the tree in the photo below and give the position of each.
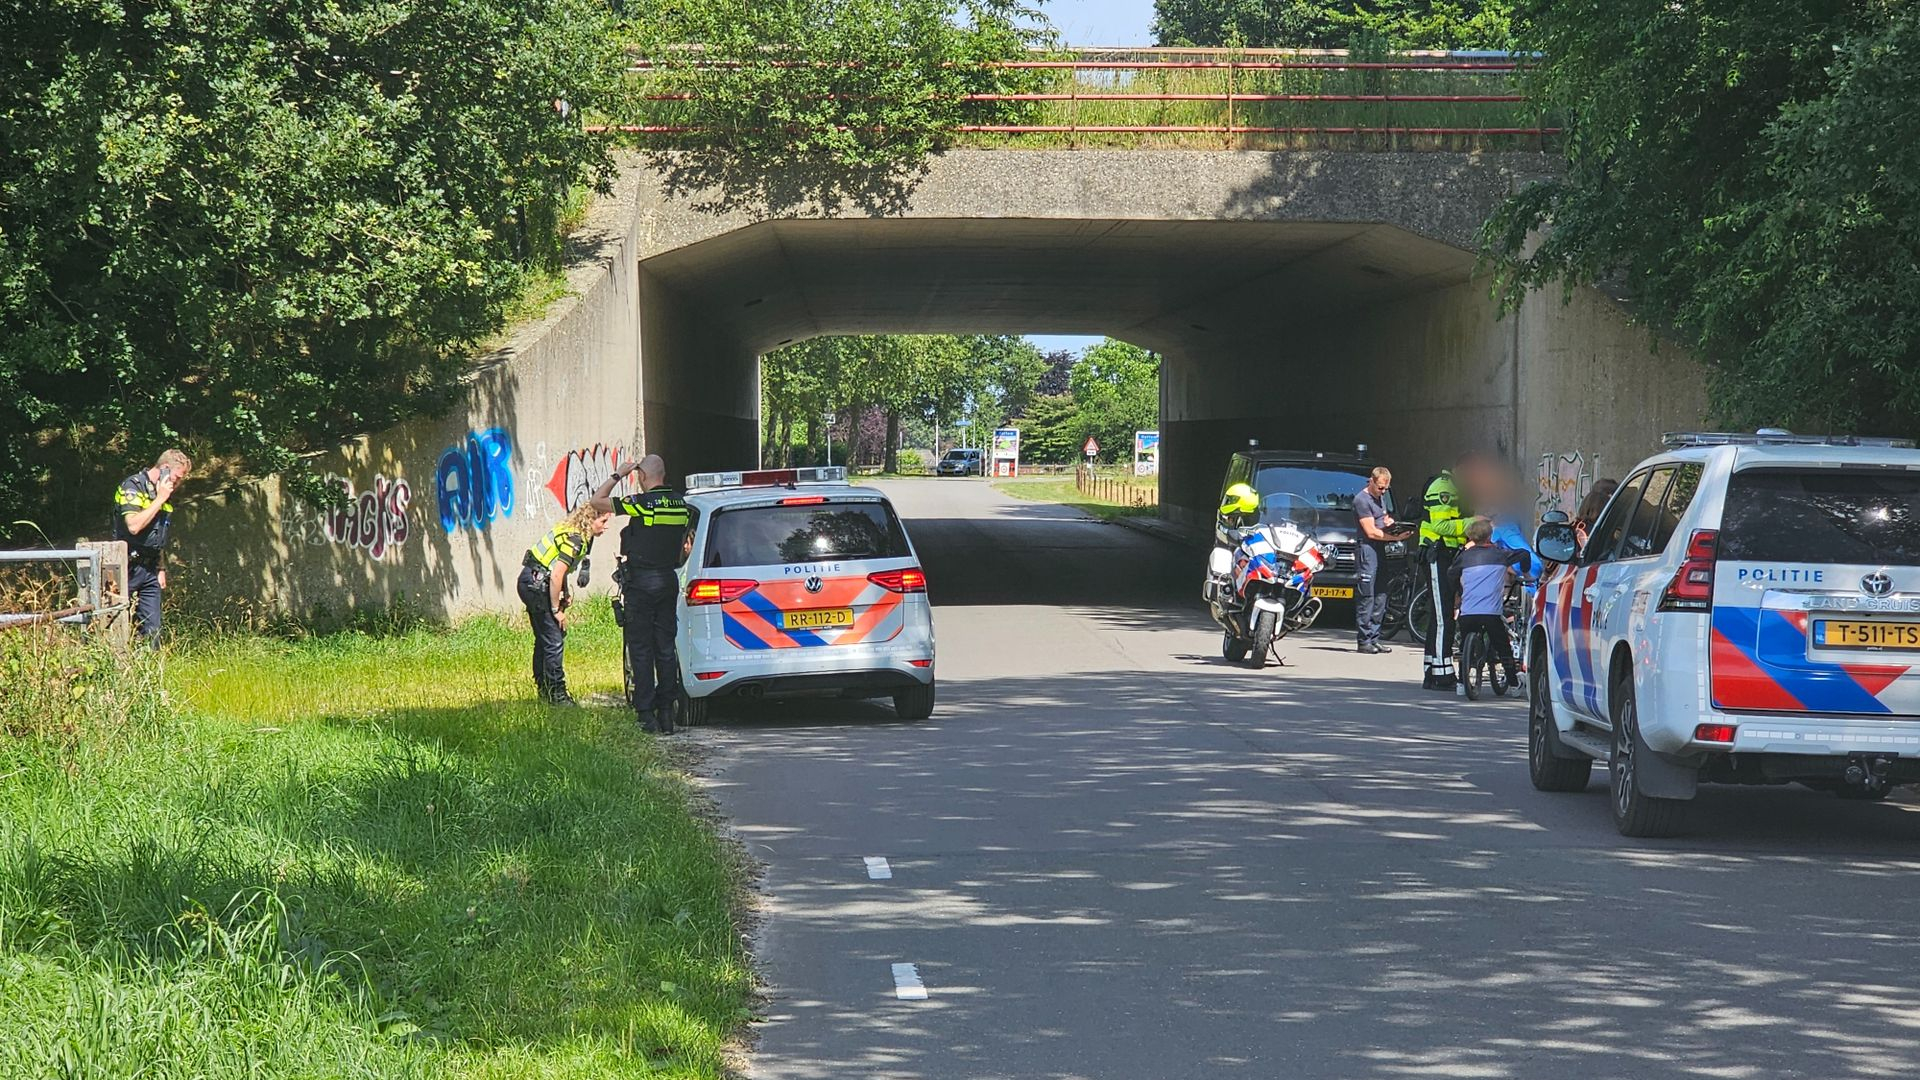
(1325, 24)
(1745, 172)
(775, 89)
(258, 226)
(1051, 431)
(1116, 389)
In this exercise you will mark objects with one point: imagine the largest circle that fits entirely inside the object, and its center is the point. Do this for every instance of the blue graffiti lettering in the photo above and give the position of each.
(475, 480)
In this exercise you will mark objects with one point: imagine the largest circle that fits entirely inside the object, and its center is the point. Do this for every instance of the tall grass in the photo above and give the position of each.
(361, 856)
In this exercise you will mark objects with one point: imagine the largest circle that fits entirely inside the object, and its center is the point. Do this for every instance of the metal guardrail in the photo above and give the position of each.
(100, 570)
(1253, 94)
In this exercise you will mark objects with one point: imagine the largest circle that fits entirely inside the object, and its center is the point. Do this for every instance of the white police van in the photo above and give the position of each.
(797, 583)
(1746, 610)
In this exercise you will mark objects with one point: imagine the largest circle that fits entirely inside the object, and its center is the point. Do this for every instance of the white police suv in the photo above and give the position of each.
(1745, 611)
(800, 584)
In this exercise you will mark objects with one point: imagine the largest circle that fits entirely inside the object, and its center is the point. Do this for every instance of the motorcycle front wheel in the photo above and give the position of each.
(1264, 625)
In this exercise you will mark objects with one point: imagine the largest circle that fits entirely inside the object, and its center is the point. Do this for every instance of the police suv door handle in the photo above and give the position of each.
(1589, 593)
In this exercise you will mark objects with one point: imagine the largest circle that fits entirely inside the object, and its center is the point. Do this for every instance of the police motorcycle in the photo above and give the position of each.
(1260, 572)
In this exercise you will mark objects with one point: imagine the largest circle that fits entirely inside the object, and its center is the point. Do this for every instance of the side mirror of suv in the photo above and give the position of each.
(1555, 541)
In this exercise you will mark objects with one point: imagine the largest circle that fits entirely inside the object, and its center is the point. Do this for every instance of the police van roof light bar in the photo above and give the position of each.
(1675, 440)
(817, 474)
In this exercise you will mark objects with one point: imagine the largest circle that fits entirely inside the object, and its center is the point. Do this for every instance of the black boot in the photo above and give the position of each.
(559, 696)
(648, 722)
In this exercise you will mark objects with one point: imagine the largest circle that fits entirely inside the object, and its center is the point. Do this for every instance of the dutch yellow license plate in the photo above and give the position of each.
(1834, 634)
(817, 619)
(1333, 592)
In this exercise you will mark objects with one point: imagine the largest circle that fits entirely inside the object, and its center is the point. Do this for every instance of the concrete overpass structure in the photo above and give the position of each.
(1313, 299)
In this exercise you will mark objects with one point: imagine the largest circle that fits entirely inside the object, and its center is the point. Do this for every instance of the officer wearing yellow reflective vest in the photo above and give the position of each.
(654, 544)
(1443, 531)
(545, 591)
(143, 514)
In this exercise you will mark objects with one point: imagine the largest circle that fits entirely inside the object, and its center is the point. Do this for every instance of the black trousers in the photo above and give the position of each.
(651, 599)
(1369, 599)
(549, 637)
(1495, 628)
(143, 589)
(1440, 636)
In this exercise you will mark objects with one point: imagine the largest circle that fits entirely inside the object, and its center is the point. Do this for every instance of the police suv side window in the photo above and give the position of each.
(1645, 523)
(1686, 483)
(1605, 538)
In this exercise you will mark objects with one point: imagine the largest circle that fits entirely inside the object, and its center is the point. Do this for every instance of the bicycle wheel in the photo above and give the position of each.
(1473, 657)
(1399, 597)
(1420, 615)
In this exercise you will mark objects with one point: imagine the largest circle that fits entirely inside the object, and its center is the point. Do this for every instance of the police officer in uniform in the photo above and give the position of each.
(653, 544)
(143, 515)
(544, 590)
(1443, 531)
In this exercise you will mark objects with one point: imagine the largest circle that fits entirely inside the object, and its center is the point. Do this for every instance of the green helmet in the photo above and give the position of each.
(1240, 499)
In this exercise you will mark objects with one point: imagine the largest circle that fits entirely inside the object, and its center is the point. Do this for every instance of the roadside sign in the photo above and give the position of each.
(1092, 447)
(1006, 451)
(1146, 453)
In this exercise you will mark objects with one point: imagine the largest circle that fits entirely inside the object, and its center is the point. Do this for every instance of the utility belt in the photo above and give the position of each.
(533, 564)
(144, 558)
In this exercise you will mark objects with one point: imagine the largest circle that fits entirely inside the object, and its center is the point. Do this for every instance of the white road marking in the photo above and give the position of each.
(877, 868)
(906, 983)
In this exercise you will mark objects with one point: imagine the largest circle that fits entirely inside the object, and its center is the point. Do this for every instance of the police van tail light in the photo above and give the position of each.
(907, 579)
(717, 590)
(1692, 586)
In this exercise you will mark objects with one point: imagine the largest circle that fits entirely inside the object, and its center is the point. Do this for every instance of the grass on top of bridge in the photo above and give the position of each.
(359, 856)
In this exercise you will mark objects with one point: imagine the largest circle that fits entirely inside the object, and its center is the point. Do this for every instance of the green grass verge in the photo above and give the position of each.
(362, 857)
(1061, 490)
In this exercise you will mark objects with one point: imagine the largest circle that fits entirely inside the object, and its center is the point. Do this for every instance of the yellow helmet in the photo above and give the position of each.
(1240, 499)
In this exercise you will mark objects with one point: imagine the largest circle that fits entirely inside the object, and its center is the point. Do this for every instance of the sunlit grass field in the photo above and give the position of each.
(362, 857)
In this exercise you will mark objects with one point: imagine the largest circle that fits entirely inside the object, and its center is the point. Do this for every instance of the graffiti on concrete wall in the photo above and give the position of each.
(474, 481)
(579, 472)
(374, 520)
(1565, 479)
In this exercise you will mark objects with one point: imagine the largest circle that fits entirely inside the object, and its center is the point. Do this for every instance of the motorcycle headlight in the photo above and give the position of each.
(1396, 549)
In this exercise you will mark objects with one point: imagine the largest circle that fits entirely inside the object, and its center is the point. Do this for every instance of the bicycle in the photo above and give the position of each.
(1477, 661)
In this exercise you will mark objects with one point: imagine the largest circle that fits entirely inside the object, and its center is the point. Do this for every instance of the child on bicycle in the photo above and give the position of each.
(1481, 573)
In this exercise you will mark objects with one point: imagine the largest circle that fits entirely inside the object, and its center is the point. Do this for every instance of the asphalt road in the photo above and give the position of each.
(1114, 855)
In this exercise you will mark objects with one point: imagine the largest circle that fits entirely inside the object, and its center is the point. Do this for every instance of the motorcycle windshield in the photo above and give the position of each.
(1283, 508)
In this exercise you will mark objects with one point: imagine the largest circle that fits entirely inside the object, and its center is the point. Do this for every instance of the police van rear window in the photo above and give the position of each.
(767, 535)
(1822, 516)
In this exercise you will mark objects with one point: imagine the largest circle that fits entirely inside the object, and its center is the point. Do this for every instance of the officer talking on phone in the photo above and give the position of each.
(143, 515)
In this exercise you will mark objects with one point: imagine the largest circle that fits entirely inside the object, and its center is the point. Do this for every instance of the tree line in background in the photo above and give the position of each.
(1748, 174)
(874, 396)
(259, 227)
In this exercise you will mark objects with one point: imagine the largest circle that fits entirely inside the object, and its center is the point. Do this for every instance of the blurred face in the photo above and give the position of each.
(600, 523)
(1381, 483)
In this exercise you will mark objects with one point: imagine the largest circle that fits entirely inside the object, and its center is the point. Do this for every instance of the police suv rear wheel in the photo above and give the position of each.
(915, 703)
(1635, 813)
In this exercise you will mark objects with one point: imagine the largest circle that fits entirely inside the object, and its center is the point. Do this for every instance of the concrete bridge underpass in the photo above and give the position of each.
(1307, 299)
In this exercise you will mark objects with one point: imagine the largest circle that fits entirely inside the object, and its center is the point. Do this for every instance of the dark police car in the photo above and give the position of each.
(1327, 482)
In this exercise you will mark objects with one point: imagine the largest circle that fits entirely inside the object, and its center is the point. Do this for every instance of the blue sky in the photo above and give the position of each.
(1102, 22)
(1095, 22)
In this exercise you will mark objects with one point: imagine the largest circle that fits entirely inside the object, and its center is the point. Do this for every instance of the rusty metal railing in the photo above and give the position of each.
(1135, 94)
(100, 572)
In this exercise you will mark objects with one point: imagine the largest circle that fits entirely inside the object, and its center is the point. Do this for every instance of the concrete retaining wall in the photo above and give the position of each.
(443, 510)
